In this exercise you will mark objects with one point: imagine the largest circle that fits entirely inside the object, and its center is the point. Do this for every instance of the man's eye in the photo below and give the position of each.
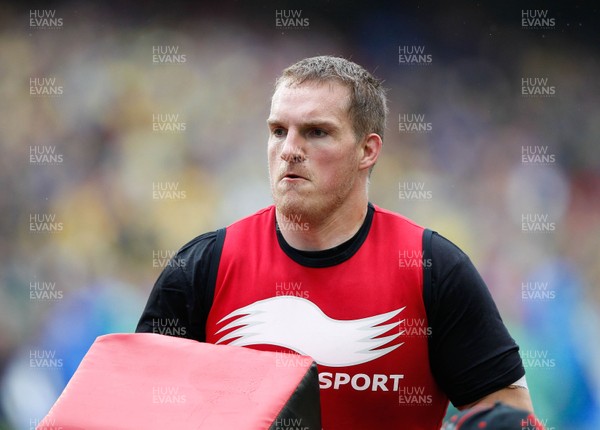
(278, 132)
(317, 132)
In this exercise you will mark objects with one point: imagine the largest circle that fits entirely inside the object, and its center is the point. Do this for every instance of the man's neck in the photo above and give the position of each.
(327, 233)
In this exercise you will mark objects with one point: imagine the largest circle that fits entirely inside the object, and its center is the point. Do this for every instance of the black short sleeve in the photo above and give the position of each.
(177, 304)
(471, 352)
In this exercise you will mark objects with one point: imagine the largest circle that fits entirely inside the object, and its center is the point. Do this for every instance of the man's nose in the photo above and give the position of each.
(293, 148)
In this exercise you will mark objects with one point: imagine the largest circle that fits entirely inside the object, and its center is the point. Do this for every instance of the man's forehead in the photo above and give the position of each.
(311, 96)
(332, 85)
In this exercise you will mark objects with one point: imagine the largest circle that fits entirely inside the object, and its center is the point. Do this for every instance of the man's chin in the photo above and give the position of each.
(293, 206)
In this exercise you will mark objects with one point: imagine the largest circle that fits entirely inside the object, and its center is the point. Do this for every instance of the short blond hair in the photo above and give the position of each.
(368, 103)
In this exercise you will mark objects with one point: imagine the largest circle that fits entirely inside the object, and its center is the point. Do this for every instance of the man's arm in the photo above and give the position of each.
(176, 305)
(473, 357)
(513, 395)
(170, 307)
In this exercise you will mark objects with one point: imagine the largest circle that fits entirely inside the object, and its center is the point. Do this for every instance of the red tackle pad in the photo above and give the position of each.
(151, 381)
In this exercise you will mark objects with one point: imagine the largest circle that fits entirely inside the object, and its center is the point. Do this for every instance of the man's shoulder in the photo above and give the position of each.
(206, 241)
(445, 253)
(257, 216)
(198, 245)
(395, 217)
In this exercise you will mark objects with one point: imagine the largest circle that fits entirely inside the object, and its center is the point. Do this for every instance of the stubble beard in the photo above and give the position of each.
(307, 206)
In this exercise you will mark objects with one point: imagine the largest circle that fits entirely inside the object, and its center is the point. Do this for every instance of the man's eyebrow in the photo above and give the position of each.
(313, 123)
(321, 123)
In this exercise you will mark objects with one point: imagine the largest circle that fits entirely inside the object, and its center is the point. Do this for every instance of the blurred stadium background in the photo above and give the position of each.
(121, 192)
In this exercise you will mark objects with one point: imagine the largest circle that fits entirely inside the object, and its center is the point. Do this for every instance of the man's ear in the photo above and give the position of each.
(369, 151)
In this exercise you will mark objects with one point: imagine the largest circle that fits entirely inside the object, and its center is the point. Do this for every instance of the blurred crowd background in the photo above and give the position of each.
(112, 231)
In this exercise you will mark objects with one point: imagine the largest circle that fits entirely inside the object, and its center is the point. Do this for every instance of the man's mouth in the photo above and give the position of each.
(292, 176)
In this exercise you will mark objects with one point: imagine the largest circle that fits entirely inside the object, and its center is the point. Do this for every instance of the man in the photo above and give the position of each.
(325, 273)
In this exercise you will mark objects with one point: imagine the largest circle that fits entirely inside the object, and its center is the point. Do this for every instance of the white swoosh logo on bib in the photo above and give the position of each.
(298, 324)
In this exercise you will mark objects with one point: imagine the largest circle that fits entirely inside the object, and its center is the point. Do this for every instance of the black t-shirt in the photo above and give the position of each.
(471, 353)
